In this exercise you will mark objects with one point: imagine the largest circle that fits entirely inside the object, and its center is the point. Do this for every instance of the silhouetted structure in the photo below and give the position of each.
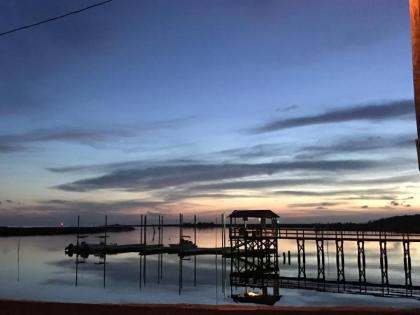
(254, 256)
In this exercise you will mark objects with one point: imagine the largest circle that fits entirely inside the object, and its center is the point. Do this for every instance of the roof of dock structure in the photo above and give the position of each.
(253, 214)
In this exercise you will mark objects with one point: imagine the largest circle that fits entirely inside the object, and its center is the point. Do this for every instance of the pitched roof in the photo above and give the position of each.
(253, 214)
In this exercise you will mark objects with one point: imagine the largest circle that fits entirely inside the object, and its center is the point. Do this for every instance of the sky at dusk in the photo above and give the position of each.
(302, 107)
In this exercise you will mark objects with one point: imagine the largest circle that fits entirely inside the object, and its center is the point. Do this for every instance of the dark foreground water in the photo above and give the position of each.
(36, 268)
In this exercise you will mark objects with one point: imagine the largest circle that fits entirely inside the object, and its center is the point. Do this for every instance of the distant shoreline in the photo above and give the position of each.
(70, 230)
(399, 224)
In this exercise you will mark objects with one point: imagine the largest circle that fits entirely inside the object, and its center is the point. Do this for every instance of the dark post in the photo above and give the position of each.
(161, 238)
(140, 270)
(141, 230)
(145, 230)
(384, 264)
(407, 266)
(18, 260)
(180, 254)
(320, 259)
(159, 255)
(105, 236)
(361, 260)
(145, 244)
(339, 245)
(140, 246)
(301, 258)
(215, 263)
(77, 246)
(195, 256)
(144, 269)
(231, 229)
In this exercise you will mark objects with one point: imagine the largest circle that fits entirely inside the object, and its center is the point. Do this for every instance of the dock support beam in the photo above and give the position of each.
(339, 246)
(105, 242)
(407, 267)
(361, 263)
(320, 255)
(160, 243)
(384, 265)
(77, 254)
(195, 256)
(181, 249)
(301, 258)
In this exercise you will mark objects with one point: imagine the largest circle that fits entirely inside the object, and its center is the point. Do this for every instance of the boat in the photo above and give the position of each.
(256, 298)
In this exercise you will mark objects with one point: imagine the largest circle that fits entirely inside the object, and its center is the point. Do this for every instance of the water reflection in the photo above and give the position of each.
(46, 273)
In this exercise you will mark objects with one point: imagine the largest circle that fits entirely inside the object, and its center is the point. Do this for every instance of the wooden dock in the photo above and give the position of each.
(85, 249)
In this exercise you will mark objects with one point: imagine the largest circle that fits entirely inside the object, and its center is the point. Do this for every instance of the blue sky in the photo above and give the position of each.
(303, 107)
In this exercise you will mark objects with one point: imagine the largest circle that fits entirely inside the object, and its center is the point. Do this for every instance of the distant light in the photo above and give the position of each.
(61, 224)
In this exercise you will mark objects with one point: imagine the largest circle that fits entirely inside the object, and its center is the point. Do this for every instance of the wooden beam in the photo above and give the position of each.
(415, 42)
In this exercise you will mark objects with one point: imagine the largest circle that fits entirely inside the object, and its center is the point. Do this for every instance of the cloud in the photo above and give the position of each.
(257, 151)
(94, 137)
(349, 194)
(412, 178)
(10, 147)
(369, 112)
(355, 145)
(125, 165)
(165, 176)
(258, 184)
(287, 108)
(365, 193)
(19, 142)
(313, 204)
(187, 194)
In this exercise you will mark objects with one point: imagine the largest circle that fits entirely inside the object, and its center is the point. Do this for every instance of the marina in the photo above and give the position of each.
(249, 252)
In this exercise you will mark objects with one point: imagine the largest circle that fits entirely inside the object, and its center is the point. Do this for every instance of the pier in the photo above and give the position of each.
(383, 238)
(252, 250)
(186, 249)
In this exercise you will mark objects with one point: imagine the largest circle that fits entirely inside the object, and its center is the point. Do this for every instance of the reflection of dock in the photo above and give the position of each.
(350, 287)
(85, 249)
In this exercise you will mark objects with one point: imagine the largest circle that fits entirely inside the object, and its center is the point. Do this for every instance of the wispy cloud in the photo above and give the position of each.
(369, 112)
(347, 194)
(260, 184)
(256, 151)
(162, 176)
(357, 145)
(313, 204)
(90, 136)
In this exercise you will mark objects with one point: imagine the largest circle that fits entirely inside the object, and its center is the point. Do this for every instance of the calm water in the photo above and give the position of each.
(40, 270)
